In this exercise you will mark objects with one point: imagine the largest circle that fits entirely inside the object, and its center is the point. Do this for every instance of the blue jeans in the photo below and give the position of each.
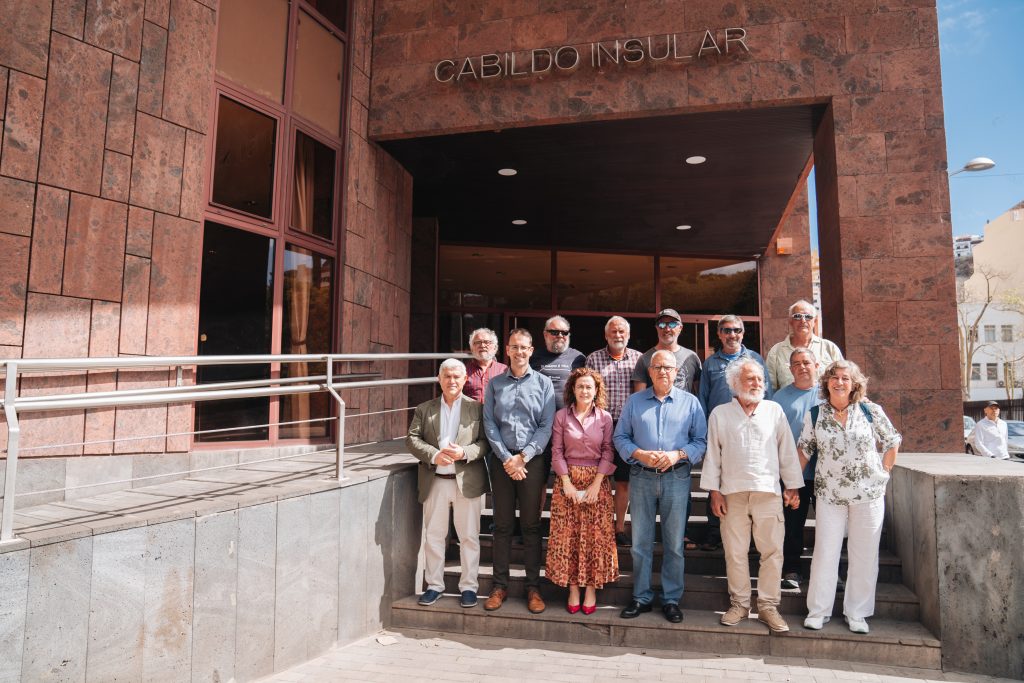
(651, 494)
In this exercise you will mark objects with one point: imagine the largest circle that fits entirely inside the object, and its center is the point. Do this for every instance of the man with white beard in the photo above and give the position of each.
(483, 344)
(750, 447)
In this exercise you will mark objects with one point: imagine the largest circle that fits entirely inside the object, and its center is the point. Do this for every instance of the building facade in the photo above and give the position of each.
(195, 176)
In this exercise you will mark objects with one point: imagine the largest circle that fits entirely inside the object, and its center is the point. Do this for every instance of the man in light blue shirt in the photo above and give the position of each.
(519, 412)
(796, 400)
(661, 433)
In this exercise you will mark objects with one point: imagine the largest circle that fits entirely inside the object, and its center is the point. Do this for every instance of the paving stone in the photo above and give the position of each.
(117, 604)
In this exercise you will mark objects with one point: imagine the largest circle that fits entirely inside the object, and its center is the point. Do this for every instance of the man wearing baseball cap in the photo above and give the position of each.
(669, 325)
(988, 438)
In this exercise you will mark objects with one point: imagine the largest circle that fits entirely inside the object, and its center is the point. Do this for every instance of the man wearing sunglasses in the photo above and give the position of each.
(557, 359)
(802, 315)
(669, 325)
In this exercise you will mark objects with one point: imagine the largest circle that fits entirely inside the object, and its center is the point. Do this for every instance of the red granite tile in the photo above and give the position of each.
(179, 421)
(25, 32)
(932, 422)
(871, 324)
(48, 235)
(882, 31)
(359, 324)
(124, 88)
(848, 205)
(57, 326)
(140, 232)
(539, 30)
(357, 119)
(69, 17)
(355, 250)
(485, 38)
(358, 287)
(116, 26)
(927, 26)
(900, 367)
(854, 74)
(718, 83)
(76, 109)
(652, 17)
(888, 111)
(174, 292)
(860, 154)
(193, 199)
(867, 237)
(932, 320)
(910, 69)
(141, 422)
(13, 277)
(509, 9)
(456, 12)
(158, 164)
(99, 423)
(39, 430)
(933, 108)
(3, 90)
(711, 14)
(360, 86)
(922, 234)
(912, 151)
(898, 193)
(117, 169)
(19, 155)
(853, 281)
(782, 80)
(393, 50)
(361, 167)
(134, 305)
(151, 69)
(821, 39)
(16, 201)
(93, 267)
(905, 279)
(399, 16)
(190, 57)
(949, 366)
(158, 11)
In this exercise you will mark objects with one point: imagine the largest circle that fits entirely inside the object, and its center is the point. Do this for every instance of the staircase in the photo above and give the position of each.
(896, 638)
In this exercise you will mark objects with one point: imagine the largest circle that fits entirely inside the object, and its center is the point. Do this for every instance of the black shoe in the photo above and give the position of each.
(672, 612)
(623, 540)
(635, 609)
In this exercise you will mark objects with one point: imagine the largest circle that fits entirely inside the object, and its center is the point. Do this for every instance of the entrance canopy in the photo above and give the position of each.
(621, 185)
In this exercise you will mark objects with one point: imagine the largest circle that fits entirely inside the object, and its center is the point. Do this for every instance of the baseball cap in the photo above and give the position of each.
(669, 313)
(992, 403)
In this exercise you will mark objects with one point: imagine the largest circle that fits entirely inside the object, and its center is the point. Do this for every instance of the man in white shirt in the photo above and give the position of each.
(750, 447)
(988, 438)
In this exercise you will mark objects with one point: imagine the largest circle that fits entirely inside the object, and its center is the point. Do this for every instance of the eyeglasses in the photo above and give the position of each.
(664, 368)
(669, 325)
(731, 330)
(802, 316)
(557, 333)
(517, 348)
(482, 342)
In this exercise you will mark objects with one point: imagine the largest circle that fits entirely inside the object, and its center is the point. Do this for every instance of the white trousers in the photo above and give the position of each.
(862, 524)
(445, 494)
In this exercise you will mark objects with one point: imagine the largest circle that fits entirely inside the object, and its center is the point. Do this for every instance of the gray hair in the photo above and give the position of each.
(733, 370)
(451, 364)
(615, 319)
(802, 302)
(802, 349)
(725, 319)
(556, 319)
(483, 331)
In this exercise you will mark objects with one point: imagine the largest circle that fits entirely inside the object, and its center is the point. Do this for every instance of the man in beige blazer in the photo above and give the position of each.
(447, 436)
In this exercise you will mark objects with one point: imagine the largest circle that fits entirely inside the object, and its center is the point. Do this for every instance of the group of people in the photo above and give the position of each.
(642, 421)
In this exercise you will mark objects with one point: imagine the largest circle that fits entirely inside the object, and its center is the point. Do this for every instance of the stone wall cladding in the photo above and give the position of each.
(104, 111)
(876, 63)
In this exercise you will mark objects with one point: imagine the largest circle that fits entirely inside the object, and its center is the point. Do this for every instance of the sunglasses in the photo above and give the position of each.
(802, 316)
(731, 330)
(670, 325)
(557, 333)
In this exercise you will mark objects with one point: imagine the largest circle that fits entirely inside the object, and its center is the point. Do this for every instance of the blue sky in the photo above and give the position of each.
(983, 93)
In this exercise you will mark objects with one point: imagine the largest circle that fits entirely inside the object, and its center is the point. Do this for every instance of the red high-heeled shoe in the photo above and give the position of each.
(572, 609)
(589, 610)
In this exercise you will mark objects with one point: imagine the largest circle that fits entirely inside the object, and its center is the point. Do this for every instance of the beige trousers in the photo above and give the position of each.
(445, 494)
(760, 513)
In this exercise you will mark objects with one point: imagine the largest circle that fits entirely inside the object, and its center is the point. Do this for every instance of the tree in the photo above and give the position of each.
(971, 305)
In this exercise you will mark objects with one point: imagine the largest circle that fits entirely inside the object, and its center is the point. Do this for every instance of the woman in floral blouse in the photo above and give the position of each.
(856, 446)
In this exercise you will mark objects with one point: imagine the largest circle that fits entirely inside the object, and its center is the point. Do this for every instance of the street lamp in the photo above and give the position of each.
(975, 164)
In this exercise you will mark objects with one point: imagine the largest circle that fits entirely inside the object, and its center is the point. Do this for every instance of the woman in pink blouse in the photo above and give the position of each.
(581, 545)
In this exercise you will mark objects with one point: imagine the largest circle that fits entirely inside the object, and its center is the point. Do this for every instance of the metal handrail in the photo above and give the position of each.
(180, 393)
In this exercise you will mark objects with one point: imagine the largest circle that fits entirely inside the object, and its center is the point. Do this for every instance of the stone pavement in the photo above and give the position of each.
(411, 656)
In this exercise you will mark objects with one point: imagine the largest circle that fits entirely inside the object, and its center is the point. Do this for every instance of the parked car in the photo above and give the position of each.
(968, 426)
(1015, 439)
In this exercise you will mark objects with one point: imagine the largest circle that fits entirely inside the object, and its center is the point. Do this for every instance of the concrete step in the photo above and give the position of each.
(891, 642)
(702, 592)
(708, 562)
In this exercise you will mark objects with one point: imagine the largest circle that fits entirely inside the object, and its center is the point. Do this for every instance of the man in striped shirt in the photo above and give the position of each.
(616, 362)
(483, 344)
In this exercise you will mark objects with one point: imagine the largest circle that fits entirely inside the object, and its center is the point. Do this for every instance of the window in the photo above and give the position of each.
(710, 286)
(313, 186)
(990, 333)
(991, 371)
(1006, 333)
(243, 166)
(976, 371)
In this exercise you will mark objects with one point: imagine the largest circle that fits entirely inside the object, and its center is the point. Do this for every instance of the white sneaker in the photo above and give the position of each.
(857, 625)
(815, 623)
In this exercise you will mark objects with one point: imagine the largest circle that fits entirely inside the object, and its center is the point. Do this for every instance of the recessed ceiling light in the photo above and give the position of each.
(477, 254)
(696, 159)
(609, 271)
(683, 227)
(519, 221)
(584, 270)
(507, 171)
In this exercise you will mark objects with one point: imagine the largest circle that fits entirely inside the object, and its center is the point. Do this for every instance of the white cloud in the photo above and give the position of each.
(963, 27)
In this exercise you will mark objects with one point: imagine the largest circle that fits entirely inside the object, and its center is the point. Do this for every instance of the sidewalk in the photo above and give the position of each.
(411, 656)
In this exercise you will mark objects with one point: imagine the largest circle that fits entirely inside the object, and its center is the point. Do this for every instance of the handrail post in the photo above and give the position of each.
(13, 437)
(339, 463)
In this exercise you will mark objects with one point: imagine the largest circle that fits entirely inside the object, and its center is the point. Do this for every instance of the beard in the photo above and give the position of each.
(617, 346)
(484, 356)
(753, 396)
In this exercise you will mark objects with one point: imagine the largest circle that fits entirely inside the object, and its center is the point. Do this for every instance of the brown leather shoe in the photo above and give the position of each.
(534, 602)
(495, 599)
